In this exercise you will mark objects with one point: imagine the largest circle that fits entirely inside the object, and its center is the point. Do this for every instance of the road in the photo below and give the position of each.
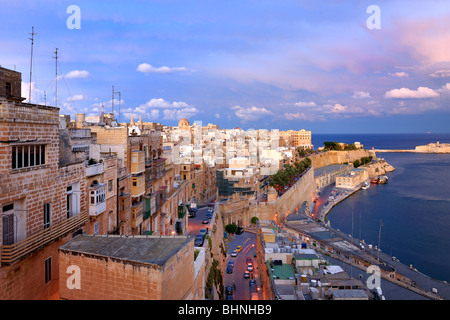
(241, 285)
(195, 223)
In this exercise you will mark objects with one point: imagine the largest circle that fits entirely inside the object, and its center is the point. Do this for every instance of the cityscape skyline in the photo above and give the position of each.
(253, 65)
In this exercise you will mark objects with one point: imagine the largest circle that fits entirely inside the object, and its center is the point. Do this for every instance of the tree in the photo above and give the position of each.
(254, 220)
(231, 228)
(356, 163)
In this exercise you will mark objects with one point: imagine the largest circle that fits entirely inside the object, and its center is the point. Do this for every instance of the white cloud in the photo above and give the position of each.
(336, 108)
(171, 110)
(399, 74)
(161, 103)
(217, 116)
(251, 114)
(405, 93)
(294, 116)
(441, 74)
(36, 94)
(148, 68)
(170, 114)
(360, 95)
(75, 74)
(445, 88)
(305, 104)
(77, 97)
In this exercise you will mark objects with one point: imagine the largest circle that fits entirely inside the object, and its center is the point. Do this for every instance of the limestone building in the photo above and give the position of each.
(42, 194)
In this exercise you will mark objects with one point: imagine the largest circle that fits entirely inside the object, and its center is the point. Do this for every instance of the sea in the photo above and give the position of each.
(410, 215)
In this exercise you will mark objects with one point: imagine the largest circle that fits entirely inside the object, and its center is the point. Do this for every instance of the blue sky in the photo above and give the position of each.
(252, 64)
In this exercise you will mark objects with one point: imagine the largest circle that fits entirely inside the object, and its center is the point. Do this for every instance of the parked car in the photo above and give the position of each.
(250, 267)
(208, 216)
(246, 274)
(199, 240)
(203, 232)
(211, 204)
(231, 263)
(229, 290)
(210, 210)
(249, 260)
(229, 269)
(205, 220)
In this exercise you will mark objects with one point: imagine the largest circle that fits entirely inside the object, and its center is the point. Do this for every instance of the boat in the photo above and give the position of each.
(382, 180)
(374, 180)
(366, 185)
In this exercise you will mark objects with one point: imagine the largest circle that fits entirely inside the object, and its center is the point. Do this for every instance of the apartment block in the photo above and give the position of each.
(42, 202)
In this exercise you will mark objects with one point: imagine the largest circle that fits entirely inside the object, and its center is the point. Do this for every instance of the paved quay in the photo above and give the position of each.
(337, 245)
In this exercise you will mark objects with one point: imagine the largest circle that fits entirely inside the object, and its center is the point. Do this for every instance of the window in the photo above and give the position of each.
(73, 200)
(48, 269)
(8, 89)
(27, 156)
(110, 185)
(47, 215)
(96, 228)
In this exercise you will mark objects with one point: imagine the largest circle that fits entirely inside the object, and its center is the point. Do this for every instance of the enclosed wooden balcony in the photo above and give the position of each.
(137, 215)
(137, 162)
(137, 185)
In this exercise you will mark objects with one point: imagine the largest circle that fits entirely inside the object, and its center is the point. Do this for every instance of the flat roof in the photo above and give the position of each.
(284, 271)
(349, 293)
(156, 250)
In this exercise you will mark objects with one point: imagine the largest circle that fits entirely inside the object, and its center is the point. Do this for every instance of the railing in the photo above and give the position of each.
(96, 209)
(18, 250)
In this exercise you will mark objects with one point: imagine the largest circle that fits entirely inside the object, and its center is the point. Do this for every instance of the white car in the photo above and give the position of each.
(249, 267)
(234, 253)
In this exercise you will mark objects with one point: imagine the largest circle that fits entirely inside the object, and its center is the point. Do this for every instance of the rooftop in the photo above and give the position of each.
(155, 250)
(283, 272)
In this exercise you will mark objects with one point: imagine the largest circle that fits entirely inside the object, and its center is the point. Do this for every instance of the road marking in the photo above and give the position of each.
(246, 240)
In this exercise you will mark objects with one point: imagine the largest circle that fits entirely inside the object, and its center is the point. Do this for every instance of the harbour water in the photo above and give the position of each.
(413, 207)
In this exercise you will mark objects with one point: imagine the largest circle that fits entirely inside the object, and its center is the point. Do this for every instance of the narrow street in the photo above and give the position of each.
(242, 287)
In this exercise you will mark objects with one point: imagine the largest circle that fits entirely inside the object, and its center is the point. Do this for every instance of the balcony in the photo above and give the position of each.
(18, 250)
(97, 199)
(137, 162)
(94, 169)
(138, 185)
(124, 206)
(137, 214)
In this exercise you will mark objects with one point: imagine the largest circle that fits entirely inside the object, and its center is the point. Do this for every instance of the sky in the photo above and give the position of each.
(314, 65)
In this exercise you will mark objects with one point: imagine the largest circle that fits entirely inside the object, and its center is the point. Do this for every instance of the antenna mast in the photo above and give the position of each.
(56, 78)
(31, 62)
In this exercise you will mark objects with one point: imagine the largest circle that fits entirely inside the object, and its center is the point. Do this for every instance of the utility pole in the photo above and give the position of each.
(31, 62)
(112, 100)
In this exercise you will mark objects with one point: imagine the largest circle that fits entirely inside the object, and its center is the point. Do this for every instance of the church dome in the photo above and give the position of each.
(183, 123)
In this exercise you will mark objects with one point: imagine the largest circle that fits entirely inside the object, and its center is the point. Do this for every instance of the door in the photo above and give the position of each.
(8, 229)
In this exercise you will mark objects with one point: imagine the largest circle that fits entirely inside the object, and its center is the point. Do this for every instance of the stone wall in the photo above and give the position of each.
(335, 157)
(241, 211)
